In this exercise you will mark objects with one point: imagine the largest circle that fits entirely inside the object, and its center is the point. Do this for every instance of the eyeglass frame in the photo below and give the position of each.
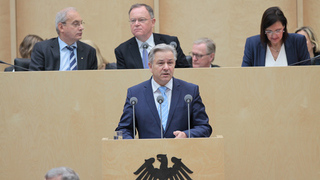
(198, 56)
(75, 24)
(277, 32)
(140, 20)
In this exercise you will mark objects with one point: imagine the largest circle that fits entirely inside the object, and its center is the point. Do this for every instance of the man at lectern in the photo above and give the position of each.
(174, 93)
(66, 52)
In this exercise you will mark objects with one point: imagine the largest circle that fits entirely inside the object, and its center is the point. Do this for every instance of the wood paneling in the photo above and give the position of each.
(268, 117)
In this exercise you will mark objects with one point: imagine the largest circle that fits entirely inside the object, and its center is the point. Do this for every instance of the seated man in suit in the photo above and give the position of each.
(65, 52)
(174, 109)
(133, 53)
(203, 53)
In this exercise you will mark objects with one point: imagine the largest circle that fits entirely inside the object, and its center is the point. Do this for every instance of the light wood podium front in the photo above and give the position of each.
(203, 156)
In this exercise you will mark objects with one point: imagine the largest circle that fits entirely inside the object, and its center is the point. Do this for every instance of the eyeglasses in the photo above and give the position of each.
(140, 20)
(277, 32)
(75, 24)
(198, 56)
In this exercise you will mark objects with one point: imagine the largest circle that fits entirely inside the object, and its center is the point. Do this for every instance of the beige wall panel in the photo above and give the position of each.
(106, 21)
(268, 117)
(310, 13)
(227, 22)
(5, 33)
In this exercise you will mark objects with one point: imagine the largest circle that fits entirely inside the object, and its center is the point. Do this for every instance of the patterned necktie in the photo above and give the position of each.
(164, 107)
(73, 60)
(145, 55)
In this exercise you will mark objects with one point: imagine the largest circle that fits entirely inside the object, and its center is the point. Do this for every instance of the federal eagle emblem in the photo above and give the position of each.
(177, 172)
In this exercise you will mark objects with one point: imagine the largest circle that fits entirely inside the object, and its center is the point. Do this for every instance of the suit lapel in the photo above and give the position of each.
(289, 51)
(81, 63)
(157, 39)
(174, 101)
(135, 53)
(55, 51)
(262, 54)
(148, 92)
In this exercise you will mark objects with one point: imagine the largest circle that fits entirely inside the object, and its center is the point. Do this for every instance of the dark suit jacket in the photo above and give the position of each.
(128, 54)
(147, 117)
(46, 56)
(255, 51)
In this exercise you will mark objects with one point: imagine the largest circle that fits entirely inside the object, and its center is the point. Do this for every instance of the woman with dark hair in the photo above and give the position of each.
(275, 46)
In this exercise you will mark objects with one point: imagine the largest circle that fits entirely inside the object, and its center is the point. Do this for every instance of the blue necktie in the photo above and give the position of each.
(164, 107)
(145, 55)
(73, 60)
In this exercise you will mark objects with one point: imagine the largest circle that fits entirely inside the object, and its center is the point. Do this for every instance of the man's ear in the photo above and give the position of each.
(212, 57)
(60, 27)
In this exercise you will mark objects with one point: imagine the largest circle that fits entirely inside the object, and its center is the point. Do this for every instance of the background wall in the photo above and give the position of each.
(5, 32)
(227, 22)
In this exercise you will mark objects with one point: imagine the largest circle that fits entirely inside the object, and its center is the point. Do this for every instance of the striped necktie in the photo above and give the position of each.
(73, 60)
(164, 107)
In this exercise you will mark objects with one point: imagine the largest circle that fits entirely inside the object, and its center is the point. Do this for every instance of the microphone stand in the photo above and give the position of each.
(161, 121)
(14, 65)
(312, 60)
(134, 122)
(189, 120)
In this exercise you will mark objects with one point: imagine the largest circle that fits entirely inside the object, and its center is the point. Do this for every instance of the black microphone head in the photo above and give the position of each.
(145, 45)
(173, 44)
(133, 101)
(188, 98)
(160, 99)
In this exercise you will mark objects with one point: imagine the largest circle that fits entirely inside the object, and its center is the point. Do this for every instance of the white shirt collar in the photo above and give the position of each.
(62, 44)
(150, 41)
(155, 85)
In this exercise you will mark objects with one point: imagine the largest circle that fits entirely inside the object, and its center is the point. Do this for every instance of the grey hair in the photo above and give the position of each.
(149, 9)
(161, 47)
(65, 173)
(61, 16)
(211, 46)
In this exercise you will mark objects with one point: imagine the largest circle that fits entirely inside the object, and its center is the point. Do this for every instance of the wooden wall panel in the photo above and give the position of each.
(227, 22)
(268, 117)
(5, 33)
(310, 17)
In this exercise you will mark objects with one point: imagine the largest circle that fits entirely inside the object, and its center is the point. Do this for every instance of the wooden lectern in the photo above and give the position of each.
(194, 158)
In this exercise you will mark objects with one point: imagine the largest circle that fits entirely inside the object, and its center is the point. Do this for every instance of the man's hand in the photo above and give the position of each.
(180, 134)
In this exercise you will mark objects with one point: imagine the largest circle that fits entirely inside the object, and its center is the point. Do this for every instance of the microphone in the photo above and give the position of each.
(133, 102)
(312, 61)
(173, 44)
(145, 45)
(188, 99)
(160, 100)
(2, 62)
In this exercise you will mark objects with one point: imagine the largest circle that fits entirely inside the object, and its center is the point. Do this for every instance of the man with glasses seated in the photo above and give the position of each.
(203, 53)
(66, 52)
(133, 54)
